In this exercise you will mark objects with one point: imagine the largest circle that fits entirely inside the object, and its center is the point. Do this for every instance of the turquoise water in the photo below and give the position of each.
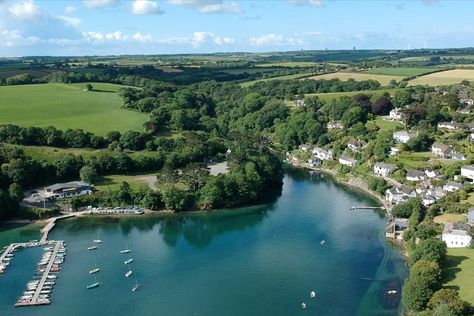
(252, 261)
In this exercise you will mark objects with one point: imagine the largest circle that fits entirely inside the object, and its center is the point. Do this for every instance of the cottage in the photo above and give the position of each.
(399, 194)
(456, 235)
(395, 114)
(456, 155)
(452, 186)
(464, 111)
(427, 200)
(347, 161)
(450, 125)
(322, 154)
(394, 151)
(335, 125)
(304, 147)
(384, 169)
(315, 162)
(467, 171)
(422, 187)
(436, 192)
(415, 175)
(470, 216)
(396, 227)
(403, 136)
(70, 189)
(355, 145)
(298, 103)
(467, 101)
(441, 150)
(433, 174)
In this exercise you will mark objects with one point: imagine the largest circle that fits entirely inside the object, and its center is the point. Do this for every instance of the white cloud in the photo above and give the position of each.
(313, 3)
(94, 4)
(143, 7)
(12, 38)
(69, 10)
(198, 39)
(209, 6)
(117, 36)
(138, 37)
(69, 20)
(25, 10)
(264, 40)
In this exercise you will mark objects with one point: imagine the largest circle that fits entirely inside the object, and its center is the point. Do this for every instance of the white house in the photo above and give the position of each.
(452, 186)
(456, 235)
(304, 147)
(415, 175)
(394, 151)
(471, 137)
(464, 111)
(467, 101)
(322, 154)
(395, 114)
(427, 200)
(403, 136)
(384, 169)
(433, 173)
(66, 190)
(467, 171)
(299, 103)
(436, 192)
(440, 150)
(347, 161)
(355, 145)
(399, 194)
(470, 216)
(450, 125)
(314, 162)
(335, 125)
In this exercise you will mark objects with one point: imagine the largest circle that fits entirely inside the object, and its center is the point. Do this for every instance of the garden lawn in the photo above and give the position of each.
(387, 125)
(112, 182)
(450, 218)
(459, 272)
(68, 106)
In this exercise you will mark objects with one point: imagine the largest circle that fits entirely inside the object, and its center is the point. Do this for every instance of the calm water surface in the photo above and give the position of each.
(252, 261)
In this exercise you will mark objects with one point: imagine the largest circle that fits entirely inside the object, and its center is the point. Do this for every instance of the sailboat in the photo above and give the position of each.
(98, 240)
(93, 285)
(126, 250)
(92, 248)
(94, 270)
(137, 285)
(128, 261)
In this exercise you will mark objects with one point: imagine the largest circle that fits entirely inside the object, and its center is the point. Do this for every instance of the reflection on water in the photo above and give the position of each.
(260, 260)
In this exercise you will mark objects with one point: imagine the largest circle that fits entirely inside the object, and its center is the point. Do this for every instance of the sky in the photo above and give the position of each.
(117, 27)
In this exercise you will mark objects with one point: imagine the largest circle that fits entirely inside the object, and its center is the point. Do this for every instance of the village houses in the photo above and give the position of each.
(400, 194)
(322, 153)
(446, 151)
(450, 125)
(347, 161)
(384, 169)
(452, 186)
(467, 171)
(355, 145)
(403, 136)
(456, 235)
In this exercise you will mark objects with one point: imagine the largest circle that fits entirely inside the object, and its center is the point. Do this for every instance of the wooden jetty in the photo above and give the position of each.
(34, 301)
(51, 222)
(367, 208)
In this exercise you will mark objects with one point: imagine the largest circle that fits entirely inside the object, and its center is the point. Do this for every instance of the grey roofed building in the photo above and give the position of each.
(470, 216)
(415, 175)
(68, 189)
(456, 229)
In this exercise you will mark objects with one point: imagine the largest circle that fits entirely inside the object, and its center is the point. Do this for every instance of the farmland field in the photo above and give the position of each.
(445, 77)
(68, 106)
(383, 79)
(289, 64)
(286, 77)
(335, 95)
(405, 72)
(459, 272)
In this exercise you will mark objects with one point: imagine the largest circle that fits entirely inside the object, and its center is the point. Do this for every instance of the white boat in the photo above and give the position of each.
(93, 285)
(92, 248)
(303, 305)
(136, 286)
(98, 240)
(128, 261)
(129, 273)
(312, 294)
(125, 251)
(94, 270)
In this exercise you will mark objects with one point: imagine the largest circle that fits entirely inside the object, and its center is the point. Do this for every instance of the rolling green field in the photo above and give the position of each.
(444, 77)
(68, 106)
(459, 272)
(387, 125)
(405, 71)
(286, 77)
(289, 64)
(358, 76)
(335, 95)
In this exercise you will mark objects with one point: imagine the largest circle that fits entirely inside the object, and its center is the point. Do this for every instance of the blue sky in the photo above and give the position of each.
(103, 27)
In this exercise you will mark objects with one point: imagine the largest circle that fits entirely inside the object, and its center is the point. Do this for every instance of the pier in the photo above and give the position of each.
(35, 299)
(367, 208)
(51, 222)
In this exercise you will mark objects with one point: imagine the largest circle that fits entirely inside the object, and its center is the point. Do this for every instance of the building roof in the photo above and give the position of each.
(404, 134)
(441, 147)
(415, 174)
(385, 166)
(456, 229)
(67, 185)
(454, 184)
(348, 159)
(468, 167)
(470, 215)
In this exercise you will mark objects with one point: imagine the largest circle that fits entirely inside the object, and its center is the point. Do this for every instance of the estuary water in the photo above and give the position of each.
(252, 261)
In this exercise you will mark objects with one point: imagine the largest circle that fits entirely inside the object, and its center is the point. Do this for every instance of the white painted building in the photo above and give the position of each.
(399, 194)
(452, 186)
(403, 136)
(322, 153)
(304, 147)
(395, 114)
(347, 161)
(415, 175)
(467, 171)
(456, 235)
(335, 125)
(355, 145)
(384, 169)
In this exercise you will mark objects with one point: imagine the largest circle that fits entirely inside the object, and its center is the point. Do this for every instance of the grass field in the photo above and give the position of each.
(387, 125)
(450, 218)
(444, 77)
(383, 79)
(289, 64)
(412, 160)
(459, 272)
(108, 183)
(68, 106)
(286, 77)
(405, 71)
(335, 95)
